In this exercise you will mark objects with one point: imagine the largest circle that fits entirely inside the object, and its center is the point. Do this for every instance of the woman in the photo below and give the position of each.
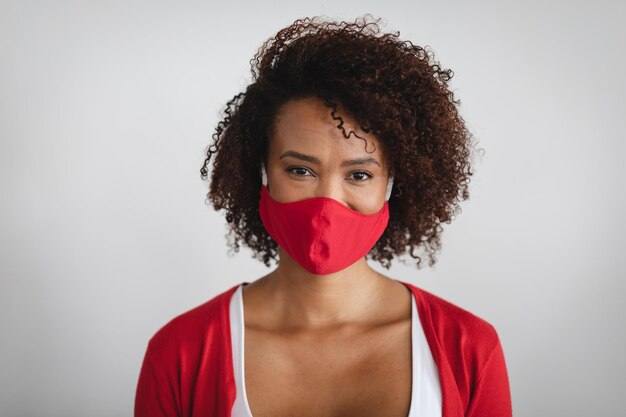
(347, 144)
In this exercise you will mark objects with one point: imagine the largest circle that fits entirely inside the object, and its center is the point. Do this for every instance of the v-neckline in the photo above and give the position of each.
(241, 355)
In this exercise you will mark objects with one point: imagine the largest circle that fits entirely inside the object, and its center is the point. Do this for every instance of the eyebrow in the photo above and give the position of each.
(314, 160)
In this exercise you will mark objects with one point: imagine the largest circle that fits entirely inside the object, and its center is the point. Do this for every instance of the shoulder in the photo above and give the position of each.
(189, 331)
(191, 350)
(464, 338)
(469, 356)
(450, 317)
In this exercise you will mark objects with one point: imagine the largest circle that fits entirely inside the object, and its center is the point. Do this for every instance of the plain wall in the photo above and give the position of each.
(106, 110)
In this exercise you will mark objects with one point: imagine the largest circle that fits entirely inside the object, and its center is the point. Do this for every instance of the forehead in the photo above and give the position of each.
(306, 125)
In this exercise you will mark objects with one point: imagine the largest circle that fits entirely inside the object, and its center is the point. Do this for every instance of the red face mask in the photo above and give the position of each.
(320, 233)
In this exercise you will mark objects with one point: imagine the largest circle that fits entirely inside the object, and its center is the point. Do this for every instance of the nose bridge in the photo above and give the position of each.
(332, 187)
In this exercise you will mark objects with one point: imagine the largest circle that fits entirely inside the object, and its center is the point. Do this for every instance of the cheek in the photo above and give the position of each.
(284, 190)
(371, 204)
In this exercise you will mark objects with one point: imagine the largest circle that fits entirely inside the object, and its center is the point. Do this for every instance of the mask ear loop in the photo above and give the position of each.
(263, 175)
(389, 188)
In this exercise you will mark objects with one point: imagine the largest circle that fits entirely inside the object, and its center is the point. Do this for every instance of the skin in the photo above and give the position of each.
(336, 344)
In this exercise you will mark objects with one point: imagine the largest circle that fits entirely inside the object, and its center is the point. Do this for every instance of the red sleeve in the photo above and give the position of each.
(153, 398)
(491, 396)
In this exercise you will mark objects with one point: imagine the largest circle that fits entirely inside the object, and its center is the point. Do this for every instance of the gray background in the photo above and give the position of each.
(106, 108)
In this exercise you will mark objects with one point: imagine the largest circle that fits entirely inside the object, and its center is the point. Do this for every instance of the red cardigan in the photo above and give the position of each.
(187, 369)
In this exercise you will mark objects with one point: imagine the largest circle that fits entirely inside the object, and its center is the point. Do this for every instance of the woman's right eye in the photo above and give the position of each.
(298, 171)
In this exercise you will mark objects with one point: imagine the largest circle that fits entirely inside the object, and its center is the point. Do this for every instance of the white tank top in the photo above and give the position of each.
(426, 389)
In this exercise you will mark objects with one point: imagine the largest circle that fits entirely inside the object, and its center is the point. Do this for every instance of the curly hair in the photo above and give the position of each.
(392, 88)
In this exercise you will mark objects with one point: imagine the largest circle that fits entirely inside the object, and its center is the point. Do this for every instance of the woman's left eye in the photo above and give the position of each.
(361, 175)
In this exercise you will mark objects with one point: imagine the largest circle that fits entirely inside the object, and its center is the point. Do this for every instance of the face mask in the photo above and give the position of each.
(320, 233)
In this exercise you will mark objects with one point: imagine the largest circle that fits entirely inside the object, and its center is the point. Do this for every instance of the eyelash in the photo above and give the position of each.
(290, 170)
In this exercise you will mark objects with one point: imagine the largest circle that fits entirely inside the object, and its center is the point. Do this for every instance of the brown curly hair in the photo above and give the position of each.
(392, 88)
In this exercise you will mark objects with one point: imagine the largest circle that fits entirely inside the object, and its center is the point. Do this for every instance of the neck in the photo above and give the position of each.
(302, 299)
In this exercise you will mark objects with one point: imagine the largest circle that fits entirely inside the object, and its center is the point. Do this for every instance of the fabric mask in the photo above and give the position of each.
(320, 233)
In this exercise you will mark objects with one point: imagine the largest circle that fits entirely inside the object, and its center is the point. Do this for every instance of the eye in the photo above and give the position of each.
(361, 176)
(298, 171)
